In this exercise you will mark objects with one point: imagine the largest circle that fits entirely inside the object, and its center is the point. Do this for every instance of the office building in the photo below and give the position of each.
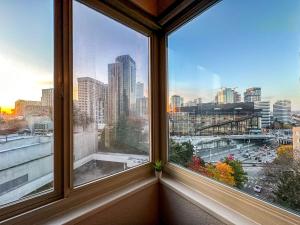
(226, 95)
(139, 90)
(264, 106)
(282, 111)
(92, 98)
(252, 94)
(142, 107)
(47, 97)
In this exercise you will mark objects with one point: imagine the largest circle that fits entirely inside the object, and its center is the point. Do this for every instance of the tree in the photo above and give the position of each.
(240, 176)
(224, 173)
(288, 190)
(198, 165)
(285, 151)
(181, 153)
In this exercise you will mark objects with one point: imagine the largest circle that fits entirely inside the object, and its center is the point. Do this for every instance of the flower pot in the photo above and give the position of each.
(158, 174)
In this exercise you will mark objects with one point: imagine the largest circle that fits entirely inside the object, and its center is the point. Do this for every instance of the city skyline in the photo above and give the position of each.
(227, 47)
(27, 55)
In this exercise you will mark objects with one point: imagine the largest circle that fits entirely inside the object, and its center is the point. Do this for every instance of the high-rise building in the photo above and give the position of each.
(176, 101)
(264, 106)
(139, 90)
(142, 107)
(92, 98)
(115, 92)
(129, 82)
(225, 96)
(121, 88)
(236, 97)
(252, 94)
(47, 97)
(282, 111)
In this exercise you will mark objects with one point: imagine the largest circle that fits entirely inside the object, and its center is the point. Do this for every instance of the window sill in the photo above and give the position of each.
(85, 210)
(130, 179)
(211, 195)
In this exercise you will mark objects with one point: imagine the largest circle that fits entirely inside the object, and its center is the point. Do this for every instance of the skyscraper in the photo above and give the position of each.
(115, 92)
(129, 82)
(139, 90)
(92, 98)
(252, 94)
(225, 96)
(282, 111)
(121, 88)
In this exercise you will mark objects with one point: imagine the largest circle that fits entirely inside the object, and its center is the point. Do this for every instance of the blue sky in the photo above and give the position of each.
(98, 40)
(238, 44)
(26, 49)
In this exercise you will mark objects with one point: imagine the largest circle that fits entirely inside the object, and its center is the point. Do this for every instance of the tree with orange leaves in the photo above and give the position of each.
(224, 173)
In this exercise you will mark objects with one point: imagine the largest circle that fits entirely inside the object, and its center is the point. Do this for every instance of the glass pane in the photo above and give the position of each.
(26, 98)
(234, 92)
(110, 86)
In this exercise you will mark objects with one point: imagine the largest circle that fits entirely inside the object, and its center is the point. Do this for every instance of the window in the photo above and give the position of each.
(110, 101)
(234, 97)
(26, 98)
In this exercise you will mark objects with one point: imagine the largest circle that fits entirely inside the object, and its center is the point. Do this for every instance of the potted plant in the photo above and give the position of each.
(158, 168)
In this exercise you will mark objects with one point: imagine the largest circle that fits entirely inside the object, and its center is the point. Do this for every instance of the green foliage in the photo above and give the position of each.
(130, 135)
(158, 165)
(181, 153)
(240, 176)
(288, 190)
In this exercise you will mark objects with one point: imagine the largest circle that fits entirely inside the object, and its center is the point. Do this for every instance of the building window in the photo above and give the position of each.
(26, 99)
(234, 97)
(110, 102)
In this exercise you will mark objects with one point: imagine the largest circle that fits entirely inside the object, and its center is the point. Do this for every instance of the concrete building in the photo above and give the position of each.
(92, 98)
(252, 94)
(176, 101)
(265, 112)
(47, 97)
(139, 90)
(20, 106)
(296, 142)
(282, 111)
(142, 107)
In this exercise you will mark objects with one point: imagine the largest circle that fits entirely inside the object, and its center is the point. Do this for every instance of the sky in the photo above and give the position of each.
(98, 40)
(27, 48)
(238, 44)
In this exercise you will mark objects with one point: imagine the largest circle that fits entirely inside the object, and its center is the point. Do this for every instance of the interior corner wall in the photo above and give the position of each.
(154, 205)
(176, 210)
(141, 208)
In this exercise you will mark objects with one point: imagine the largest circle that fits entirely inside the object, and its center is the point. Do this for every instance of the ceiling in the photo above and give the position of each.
(155, 7)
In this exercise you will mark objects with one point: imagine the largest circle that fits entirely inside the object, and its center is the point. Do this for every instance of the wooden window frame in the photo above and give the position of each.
(64, 194)
(257, 210)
